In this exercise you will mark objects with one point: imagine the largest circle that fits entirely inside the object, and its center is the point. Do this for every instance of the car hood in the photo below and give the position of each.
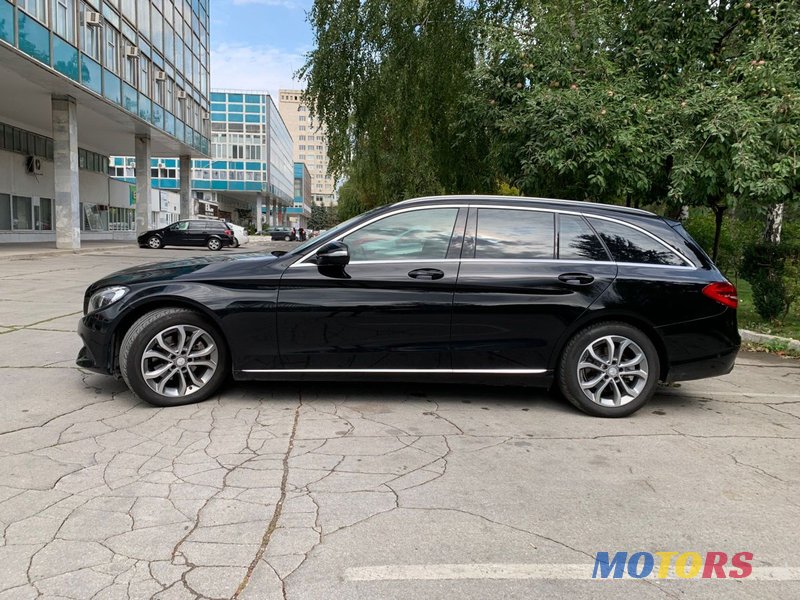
(199, 268)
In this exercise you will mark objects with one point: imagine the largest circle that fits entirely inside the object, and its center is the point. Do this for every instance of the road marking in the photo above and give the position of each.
(524, 571)
(688, 392)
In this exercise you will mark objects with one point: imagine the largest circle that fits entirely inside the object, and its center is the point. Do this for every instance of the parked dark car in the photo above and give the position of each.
(214, 235)
(599, 301)
(283, 233)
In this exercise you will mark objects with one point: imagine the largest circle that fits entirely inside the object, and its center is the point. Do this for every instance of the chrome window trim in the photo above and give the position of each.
(688, 264)
(435, 371)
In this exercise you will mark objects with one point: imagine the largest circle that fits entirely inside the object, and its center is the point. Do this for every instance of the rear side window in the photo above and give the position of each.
(632, 246)
(509, 233)
(577, 241)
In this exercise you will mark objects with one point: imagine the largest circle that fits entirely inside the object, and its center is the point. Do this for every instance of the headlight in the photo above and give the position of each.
(105, 297)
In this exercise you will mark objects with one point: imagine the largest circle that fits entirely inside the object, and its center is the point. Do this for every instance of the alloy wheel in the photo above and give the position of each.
(154, 243)
(214, 244)
(179, 360)
(612, 371)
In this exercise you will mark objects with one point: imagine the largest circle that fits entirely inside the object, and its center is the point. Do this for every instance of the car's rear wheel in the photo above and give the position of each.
(287, 238)
(154, 242)
(214, 244)
(173, 356)
(609, 369)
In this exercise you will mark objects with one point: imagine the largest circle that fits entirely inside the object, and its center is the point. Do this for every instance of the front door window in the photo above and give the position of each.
(419, 234)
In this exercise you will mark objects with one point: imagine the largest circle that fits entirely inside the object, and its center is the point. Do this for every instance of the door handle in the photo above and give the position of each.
(576, 278)
(426, 274)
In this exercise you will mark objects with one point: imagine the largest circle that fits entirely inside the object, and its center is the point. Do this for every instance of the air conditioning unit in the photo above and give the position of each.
(93, 19)
(205, 115)
(161, 76)
(131, 51)
(33, 165)
(181, 95)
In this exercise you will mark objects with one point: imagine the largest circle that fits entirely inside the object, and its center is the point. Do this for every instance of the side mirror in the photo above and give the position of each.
(335, 254)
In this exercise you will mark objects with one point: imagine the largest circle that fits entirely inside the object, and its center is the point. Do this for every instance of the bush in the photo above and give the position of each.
(772, 271)
(736, 235)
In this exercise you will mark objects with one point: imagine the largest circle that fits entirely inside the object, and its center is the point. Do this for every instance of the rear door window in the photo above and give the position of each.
(577, 241)
(630, 245)
(508, 233)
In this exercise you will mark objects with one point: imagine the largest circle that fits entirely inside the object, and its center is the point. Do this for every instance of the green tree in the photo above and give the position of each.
(386, 80)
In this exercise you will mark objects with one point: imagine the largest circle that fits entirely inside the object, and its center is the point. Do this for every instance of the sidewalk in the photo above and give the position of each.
(18, 250)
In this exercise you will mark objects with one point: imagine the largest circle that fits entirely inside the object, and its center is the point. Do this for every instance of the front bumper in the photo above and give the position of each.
(97, 353)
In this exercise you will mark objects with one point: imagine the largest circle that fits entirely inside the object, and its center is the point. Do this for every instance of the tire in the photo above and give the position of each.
(178, 381)
(154, 242)
(615, 394)
(235, 243)
(214, 244)
(287, 238)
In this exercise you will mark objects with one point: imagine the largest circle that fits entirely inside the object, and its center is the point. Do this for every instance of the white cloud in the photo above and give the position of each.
(247, 67)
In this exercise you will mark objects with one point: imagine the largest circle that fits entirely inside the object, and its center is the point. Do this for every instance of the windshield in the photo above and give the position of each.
(332, 233)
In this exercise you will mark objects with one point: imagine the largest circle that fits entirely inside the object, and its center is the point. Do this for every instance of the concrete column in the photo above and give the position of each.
(65, 158)
(273, 216)
(187, 208)
(259, 206)
(143, 184)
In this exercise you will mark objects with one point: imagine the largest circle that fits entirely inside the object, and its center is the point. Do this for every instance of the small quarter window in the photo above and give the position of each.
(509, 233)
(577, 241)
(631, 246)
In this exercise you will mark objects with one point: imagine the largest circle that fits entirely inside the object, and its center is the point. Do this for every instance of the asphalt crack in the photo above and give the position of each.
(278, 506)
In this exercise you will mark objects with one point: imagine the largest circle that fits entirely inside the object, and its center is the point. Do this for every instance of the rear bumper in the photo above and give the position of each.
(701, 348)
(701, 369)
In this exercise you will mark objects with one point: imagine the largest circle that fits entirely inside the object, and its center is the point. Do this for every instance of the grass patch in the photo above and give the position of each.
(749, 319)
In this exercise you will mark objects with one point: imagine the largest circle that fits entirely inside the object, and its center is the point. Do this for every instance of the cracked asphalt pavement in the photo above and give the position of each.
(319, 491)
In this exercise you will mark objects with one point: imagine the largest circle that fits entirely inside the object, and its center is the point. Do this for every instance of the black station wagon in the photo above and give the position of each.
(602, 302)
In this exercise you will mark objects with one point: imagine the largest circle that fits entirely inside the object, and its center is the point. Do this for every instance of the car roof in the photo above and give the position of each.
(529, 201)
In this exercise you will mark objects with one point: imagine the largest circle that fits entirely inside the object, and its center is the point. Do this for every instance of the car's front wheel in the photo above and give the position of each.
(609, 369)
(235, 243)
(154, 242)
(173, 356)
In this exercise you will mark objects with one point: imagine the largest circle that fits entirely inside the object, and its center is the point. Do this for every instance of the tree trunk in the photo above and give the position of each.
(719, 212)
(628, 199)
(772, 234)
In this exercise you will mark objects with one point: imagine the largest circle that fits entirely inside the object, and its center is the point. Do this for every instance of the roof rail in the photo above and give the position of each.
(479, 197)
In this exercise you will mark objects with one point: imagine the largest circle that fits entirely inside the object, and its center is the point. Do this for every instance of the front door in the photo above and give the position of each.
(177, 234)
(518, 289)
(388, 309)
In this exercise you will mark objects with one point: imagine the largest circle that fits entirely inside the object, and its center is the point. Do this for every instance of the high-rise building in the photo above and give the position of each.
(310, 145)
(250, 171)
(301, 210)
(85, 79)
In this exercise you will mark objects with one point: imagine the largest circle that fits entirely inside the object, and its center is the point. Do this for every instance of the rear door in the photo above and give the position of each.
(526, 274)
(199, 231)
(388, 309)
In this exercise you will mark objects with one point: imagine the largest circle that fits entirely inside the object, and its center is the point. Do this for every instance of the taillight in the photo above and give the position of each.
(228, 232)
(723, 292)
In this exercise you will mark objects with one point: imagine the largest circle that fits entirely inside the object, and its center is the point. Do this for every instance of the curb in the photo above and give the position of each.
(761, 338)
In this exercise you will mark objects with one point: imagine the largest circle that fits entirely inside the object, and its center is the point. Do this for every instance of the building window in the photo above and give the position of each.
(112, 48)
(144, 76)
(130, 68)
(22, 216)
(170, 95)
(64, 19)
(35, 8)
(302, 128)
(90, 35)
(301, 118)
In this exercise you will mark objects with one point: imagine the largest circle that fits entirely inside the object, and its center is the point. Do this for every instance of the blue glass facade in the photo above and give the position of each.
(251, 151)
(156, 49)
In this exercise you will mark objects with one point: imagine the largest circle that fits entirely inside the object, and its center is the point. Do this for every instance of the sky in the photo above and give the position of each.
(258, 44)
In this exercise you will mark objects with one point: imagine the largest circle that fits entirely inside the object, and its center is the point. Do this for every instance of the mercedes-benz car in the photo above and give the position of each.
(598, 301)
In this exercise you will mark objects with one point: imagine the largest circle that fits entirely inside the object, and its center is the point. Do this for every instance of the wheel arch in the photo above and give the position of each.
(146, 306)
(594, 317)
